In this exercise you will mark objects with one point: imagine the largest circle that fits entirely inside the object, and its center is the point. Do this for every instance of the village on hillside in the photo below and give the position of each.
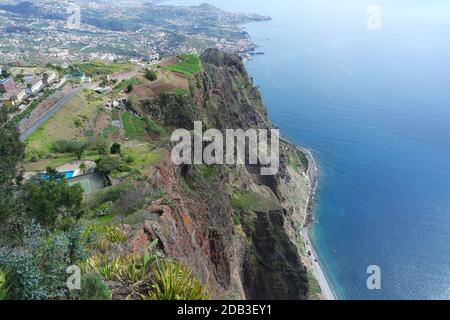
(84, 120)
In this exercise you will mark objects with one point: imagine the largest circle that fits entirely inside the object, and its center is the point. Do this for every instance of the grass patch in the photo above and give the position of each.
(98, 68)
(57, 160)
(144, 156)
(134, 126)
(251, 201)
(188, 64)
(297, 160)
(123, 85)
(181, 91)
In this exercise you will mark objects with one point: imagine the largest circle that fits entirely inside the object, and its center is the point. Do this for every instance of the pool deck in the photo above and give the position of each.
(72, 166)
(75, 166)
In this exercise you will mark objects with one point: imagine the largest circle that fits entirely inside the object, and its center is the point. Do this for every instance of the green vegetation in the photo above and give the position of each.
(297, 160)
(188, 64)
(116, 148)
(151, 75)
(51, 202)
(125, 83)
(3, 291)
(108, 164)
(33, 259)
(181, 91)
(106, 233)
(153, 128)
(69, 146)
(134, 126)
(144, 156)
(251, 201)
(62, 126)
(93, 288)
(36, 270)
(97, 68)
(174, 281)
(314, 288)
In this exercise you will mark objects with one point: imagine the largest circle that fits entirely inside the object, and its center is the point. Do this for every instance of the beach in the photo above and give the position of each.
(312, 176)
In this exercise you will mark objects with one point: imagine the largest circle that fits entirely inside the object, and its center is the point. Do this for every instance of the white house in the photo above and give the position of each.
(51, 77)
(34, 85)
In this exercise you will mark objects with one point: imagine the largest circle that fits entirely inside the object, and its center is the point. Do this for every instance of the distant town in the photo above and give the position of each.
(50, 31)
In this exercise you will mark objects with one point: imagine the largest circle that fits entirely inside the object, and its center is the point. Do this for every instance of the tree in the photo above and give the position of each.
(83, 167)
(130, 88)
(45, 76)
(151, 75)
(108, 164)
(11, 154)
(102, 149)
(13, 99)
(79, 150)
(5, 73)
(51, 201)
(116, 148)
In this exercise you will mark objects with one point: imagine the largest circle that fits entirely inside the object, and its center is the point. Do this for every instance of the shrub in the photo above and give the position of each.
(131, 269)
(129, 159)
(108, 164)
(102, 149)
(36, 270)
(102, 210)
(115, 148)
(151, 75)
(93, 288)
(109, 233)
(152, 127)
(68, 146)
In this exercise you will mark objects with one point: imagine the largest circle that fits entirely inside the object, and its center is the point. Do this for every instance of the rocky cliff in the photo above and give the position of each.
(237, 230)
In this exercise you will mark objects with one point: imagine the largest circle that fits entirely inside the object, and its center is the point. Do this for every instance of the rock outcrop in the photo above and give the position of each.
(237, 230)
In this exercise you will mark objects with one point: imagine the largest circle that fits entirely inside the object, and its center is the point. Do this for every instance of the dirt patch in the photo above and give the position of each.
(168, 61)
(102, 120)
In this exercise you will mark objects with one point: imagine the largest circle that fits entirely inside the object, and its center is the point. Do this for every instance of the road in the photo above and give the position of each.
(55, 108)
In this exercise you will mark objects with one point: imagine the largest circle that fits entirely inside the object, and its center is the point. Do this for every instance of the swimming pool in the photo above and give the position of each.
(67, 175)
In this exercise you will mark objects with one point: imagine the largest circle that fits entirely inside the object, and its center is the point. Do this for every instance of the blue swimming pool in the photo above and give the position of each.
(67, 175)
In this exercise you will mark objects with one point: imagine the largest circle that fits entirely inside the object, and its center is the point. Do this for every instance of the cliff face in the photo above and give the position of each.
(236, 229)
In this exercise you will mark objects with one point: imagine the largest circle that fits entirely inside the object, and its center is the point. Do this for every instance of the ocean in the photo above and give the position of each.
(373, 105)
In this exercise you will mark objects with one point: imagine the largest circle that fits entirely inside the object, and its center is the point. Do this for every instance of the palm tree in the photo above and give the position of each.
(83, 167)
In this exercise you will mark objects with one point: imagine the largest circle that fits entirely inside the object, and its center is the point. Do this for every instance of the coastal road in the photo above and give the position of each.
(55, 108)
(318, 271)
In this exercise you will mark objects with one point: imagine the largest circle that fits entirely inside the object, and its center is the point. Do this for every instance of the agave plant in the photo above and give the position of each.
(174, 281)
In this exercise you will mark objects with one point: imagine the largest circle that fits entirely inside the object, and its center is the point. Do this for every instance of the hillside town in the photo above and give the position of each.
(41, 32)
(18, 89)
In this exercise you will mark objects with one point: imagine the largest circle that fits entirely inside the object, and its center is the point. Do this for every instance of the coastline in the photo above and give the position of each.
(312, 177)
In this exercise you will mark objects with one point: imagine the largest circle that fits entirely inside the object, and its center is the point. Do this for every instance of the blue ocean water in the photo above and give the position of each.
(374, 107)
